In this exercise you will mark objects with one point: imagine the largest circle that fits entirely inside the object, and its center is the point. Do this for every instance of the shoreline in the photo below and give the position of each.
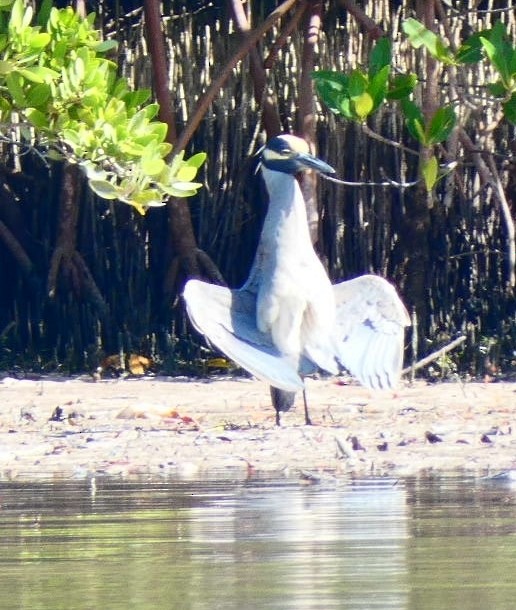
(75, 428)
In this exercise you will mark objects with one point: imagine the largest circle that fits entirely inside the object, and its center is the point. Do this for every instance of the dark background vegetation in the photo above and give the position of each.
(117, 291)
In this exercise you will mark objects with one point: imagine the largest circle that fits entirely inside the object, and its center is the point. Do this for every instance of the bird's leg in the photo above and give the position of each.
(282, 401)
(308, 421)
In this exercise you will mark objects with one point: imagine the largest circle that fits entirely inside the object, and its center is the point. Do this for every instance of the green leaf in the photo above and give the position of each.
(441, 125)
(150, 111)
(105, 46)
(489, 48)
(159, 130)
(39, 41)
(509, 109)
(186, 173)
(380, 57)
(180, 192)
(197, 160)
(136, 122)
(54, 155)
(497, 89)
(152, 166)
(402, 86)
(338, 80)
(430, 171)
(378, 86)
(512, 63)
(104, 189)
(44, 13)
(135, 99)
(27, 17)
(362, 105)
(501, 53)
(38, 95)
(30, 74)
(130, 147)
(17, 13)
(5, 107)
(146, 139)
(414, 119)
(71, 137)
(176, 163)
(186, 186)
(420, 36)
(333, 89)
(138, 206)
(6, 66)
(417, 129)
(150, 198)
(55, 18)
(38, 74)
(37, 118)
(77, 69)
(15, 89)
(345, 108)
(164, 149)
(358, 82)
(55, 77)
(470, 51)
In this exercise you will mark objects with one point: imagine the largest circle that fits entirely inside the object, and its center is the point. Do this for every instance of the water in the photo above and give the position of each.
(378, 544)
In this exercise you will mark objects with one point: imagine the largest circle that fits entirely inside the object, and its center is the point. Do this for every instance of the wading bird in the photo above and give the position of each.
(288, 320)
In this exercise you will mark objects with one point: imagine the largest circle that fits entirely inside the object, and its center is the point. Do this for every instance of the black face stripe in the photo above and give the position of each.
(290, 155)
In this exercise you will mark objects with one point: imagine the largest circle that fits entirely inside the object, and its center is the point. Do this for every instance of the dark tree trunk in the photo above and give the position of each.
(66, 260)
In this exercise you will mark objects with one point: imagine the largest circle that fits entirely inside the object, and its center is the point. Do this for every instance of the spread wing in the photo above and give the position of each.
(227, 318)
(371, 319)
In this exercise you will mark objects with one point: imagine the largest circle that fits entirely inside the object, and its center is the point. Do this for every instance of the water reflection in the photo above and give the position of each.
(425, 545)
(310, 549)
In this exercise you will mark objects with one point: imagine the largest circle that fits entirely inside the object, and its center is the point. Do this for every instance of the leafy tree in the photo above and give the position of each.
(358, 94)
(56, 77)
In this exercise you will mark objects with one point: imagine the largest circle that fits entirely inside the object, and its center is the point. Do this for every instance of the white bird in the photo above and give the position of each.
(288, 320)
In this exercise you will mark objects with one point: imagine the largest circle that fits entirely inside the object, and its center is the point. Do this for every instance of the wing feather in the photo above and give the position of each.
(371, 319)
(227, 318)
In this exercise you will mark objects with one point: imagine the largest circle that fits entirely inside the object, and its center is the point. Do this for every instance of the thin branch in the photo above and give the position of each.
(208, 97)
(282, 39)
(376, 136)
(16, 249)
(55, 265)
(158, 54)
(306, 114)
(508, 220)
(209, 268)
(443, 20)
(88, 283)
(434, 355)
(392, 183)
(270, 115)
(372, 28)
(489, 176)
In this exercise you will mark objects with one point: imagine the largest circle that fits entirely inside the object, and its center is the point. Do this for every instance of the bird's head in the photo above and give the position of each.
(290, 155)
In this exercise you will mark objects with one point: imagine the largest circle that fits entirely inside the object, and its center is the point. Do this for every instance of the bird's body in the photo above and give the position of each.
(287, 320)
(294, 296)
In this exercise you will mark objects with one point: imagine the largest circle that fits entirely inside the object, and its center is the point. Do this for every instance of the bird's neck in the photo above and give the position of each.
(287, 211)
(285, 235)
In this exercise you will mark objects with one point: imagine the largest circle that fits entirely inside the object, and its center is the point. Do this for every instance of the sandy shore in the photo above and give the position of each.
(76, 428)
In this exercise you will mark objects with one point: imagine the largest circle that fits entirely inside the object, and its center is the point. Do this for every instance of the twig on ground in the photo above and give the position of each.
(434, 355)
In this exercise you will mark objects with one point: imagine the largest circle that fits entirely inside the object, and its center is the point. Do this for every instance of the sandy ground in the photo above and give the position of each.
(63, 428)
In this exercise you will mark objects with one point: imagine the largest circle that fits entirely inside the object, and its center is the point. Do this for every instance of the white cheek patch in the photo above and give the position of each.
(296, 145)
(272, 155)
